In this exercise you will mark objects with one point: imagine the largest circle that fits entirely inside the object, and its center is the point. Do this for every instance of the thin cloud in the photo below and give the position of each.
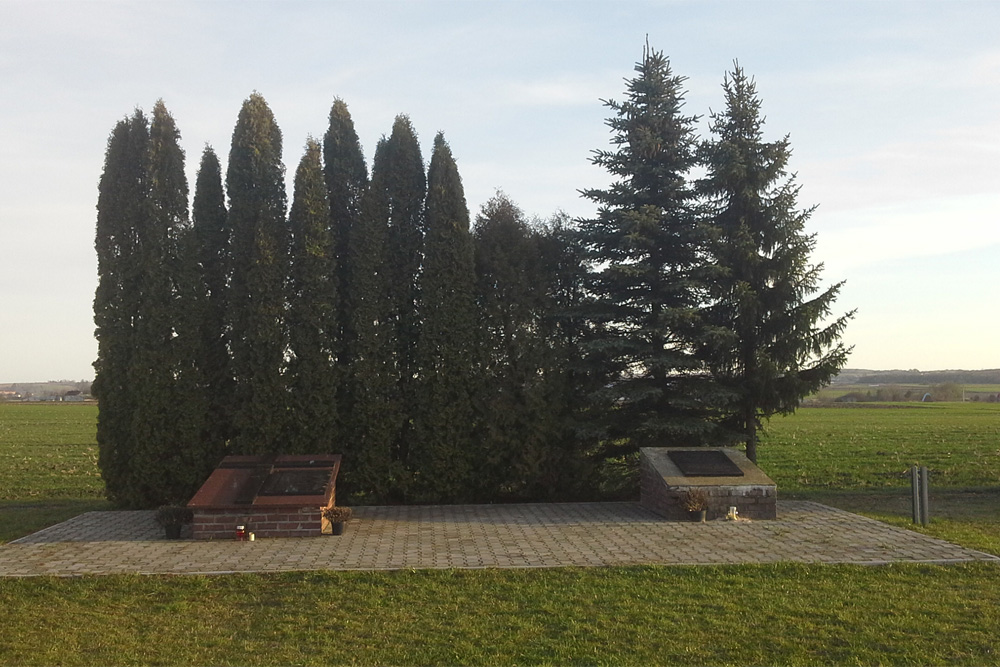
(918, 229)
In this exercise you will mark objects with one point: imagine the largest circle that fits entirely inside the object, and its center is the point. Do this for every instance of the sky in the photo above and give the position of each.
(892, 109)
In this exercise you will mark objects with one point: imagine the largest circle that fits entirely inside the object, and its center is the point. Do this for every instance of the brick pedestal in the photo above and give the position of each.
(271, 496)
(220, 524)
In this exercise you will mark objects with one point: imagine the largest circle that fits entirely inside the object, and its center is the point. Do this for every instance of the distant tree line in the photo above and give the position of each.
(52, 390)
(988, 376)
(501, 360)
(942, 392)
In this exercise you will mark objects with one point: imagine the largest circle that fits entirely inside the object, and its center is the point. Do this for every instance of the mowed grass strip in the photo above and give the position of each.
(784, 614)
(873, 446)
(19, 518)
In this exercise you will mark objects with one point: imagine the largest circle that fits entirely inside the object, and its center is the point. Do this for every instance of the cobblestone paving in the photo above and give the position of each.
(475, 536)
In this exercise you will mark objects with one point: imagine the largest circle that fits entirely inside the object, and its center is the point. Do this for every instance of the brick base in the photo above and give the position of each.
(220, 524)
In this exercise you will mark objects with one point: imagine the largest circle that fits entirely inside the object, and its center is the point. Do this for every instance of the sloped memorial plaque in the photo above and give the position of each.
(704, 463)
(723, 476)
(270, 496)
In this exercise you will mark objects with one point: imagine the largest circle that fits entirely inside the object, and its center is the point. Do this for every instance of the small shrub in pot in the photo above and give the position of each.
(172, 517)
(337, 516)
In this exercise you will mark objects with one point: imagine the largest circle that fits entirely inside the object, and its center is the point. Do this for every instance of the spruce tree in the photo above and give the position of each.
(644, 248)
(212, 237)
(314, 333)
(255, 184)
(440, 450)
(772, 345)
(346, 182)
(122, 200)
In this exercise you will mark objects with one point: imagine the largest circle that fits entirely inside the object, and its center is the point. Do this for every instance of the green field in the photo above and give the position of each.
(48, 450)
(852, 457)
(870, 446)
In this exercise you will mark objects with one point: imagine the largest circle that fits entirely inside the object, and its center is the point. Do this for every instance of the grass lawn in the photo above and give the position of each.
(48, 465)
(855, 458)
(780, 614)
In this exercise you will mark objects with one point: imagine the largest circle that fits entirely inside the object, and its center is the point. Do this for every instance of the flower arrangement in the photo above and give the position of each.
(695, 500)
(337, 514)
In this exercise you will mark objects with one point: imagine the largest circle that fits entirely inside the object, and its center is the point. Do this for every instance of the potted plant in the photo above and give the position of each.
(172, 517)
(337, 516)
(696, 503)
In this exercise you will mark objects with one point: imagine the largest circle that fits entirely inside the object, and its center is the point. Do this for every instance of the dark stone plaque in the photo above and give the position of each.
(708, 463)
(296, 483)
(251, 486)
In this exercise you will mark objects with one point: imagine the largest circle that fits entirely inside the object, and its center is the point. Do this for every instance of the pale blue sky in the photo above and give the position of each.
(893, 109)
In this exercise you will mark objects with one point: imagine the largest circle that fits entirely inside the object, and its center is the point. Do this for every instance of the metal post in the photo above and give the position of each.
(925, 511)
(915, 488)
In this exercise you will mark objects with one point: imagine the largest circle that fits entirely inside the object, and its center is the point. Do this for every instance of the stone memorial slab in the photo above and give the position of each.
(723, 475)
(704, 463)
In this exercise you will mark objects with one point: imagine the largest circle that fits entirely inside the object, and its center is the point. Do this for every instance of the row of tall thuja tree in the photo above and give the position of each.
(509, 362)
(370, 321)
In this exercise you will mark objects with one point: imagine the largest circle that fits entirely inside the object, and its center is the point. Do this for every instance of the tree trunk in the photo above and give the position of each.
(751, 426)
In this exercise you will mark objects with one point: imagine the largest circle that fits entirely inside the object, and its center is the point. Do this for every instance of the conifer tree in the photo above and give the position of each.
(510, 293)
(255, 184)
(405, 184)
(569, 469)
(645, 248)
(148, 315)
(371, 471)
(314, 333)
(168, 418)
(508, 276)
(201, 437)
(771, 347)
(212, 237)
(346, 182)
(440, 453)
(527, 394)
(123, 199)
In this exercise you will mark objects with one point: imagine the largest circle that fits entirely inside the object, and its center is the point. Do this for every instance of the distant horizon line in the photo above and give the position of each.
(848, 369)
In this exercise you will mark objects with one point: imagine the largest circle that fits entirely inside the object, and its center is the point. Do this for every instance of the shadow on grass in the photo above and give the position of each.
(23, 517)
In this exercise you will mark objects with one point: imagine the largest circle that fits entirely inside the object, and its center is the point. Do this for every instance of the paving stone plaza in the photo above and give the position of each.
(478, 536)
